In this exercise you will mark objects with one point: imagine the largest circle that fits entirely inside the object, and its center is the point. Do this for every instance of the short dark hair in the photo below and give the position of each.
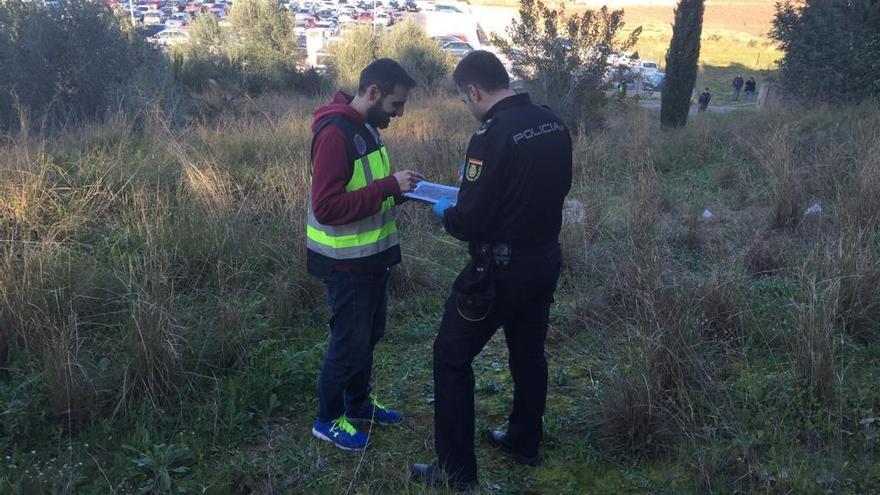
(483, 69)
(386, 74)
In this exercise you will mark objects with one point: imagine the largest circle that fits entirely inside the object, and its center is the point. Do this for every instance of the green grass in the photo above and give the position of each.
(195, 240)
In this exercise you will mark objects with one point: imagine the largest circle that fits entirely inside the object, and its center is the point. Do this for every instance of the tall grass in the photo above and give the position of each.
(140, 261)
(174, 250)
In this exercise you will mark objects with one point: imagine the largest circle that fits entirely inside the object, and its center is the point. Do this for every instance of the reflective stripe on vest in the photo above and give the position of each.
(367, 236)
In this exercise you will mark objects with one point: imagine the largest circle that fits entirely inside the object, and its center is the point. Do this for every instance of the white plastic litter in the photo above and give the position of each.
(813, 209)
(707, 213)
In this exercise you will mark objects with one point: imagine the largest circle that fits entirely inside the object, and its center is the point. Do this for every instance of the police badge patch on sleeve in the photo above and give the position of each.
(474, 167)
(360, 144)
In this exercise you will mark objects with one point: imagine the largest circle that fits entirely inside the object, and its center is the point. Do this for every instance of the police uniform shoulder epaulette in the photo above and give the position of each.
(485, 127)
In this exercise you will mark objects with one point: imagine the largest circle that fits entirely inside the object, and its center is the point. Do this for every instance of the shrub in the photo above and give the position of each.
(407, 43)
(359, 47)
(422, 58)
(83, 51)
(563, 58)
(257, 54)
(830, 49)
(264, 47)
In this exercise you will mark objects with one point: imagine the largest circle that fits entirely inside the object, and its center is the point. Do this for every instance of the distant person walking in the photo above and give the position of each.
(737, 87)
(703, 101)
(750, 88)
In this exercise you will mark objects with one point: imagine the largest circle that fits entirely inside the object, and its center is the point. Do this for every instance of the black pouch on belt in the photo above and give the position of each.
(474, 289)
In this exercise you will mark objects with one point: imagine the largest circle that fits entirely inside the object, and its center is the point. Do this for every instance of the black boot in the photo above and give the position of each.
(433, 475)
(498, 439)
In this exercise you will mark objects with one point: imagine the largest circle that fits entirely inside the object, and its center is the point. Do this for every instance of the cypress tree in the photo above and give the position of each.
(681, 63)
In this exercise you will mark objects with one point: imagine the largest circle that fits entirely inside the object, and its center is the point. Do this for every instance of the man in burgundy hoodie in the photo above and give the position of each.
(352, 243)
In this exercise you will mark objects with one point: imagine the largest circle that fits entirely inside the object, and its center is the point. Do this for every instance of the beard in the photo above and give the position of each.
(378, 118)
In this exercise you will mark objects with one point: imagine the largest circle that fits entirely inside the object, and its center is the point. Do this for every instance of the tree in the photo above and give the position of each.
(264, 45)
(257, 53)
(62, 60)
(681, 63)
(830, 49)
(563, 58)
(409, 45)
(359, 47)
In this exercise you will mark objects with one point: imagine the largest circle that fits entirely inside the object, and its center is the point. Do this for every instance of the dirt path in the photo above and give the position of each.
(723, 108)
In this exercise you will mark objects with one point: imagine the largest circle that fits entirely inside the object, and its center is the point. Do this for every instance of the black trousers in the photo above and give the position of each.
(524, 293)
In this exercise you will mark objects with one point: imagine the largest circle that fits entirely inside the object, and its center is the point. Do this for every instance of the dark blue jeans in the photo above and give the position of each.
(357, 321)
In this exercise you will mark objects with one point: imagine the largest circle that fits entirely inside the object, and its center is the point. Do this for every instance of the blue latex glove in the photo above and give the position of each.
(440, 207)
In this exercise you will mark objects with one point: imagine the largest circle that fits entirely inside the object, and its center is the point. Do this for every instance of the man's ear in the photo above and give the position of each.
(475, 93)
(373, 93)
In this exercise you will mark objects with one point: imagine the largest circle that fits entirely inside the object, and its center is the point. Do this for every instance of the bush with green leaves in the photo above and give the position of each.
(407, 43)
(258, 52)
(60, 63)
(359, 47)
(831, 49)
(562, 58)
(265, 47)
(205, 56)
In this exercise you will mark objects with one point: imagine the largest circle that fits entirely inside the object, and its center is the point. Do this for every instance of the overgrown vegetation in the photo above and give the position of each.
(715, 330)
(406, 43)
(258, 53)
(562, 58)
(56, 72)
(153, 296)
(830, 49)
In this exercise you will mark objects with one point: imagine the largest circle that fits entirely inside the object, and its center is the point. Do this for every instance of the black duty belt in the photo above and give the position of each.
(502, 253)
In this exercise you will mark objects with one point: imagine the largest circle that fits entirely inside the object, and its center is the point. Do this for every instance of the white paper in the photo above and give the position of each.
(433, 192)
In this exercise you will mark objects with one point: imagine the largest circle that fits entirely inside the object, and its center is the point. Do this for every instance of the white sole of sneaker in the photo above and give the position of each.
(317, 434)
(362, 421)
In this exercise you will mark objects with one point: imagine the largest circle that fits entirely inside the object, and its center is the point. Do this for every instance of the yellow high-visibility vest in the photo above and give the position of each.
(370, 235)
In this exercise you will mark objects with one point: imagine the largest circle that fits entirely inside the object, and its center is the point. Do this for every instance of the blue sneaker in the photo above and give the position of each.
(376, 412)
(340, 433)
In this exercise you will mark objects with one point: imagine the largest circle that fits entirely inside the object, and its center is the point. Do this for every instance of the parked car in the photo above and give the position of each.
(647, 67)
(448, 9)
(382, 19)
(169, 37)
(149, 31)
(177, 20)
(141, 10)
(153, 17)
(327, 25)
(304, 22)
(457, 48)
(443, 39)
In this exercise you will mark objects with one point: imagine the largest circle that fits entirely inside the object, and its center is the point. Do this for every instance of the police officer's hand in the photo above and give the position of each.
(440, 207)
(407, 180)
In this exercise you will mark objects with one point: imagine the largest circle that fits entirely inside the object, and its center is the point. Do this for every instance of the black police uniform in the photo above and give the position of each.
(516, 175)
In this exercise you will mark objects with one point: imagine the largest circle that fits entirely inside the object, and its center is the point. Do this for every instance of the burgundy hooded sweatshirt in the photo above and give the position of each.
(332, 168)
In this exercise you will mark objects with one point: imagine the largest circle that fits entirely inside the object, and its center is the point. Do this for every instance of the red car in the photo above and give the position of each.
(365, 17)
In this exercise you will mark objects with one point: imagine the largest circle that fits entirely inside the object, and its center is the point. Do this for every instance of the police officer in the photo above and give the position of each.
(515, 177)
